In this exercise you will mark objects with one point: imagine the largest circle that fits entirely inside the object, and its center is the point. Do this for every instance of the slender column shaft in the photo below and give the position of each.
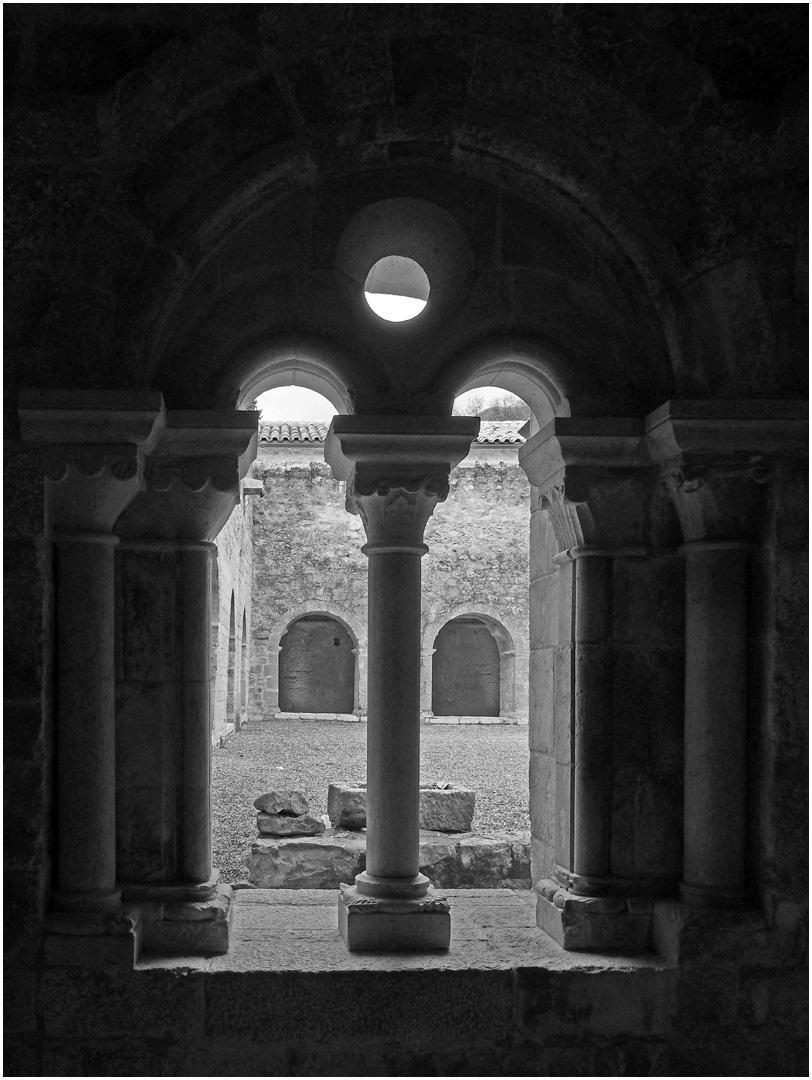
(194, 579)
(592, 713)
(715, 722)
(86, 723)
(393, 725)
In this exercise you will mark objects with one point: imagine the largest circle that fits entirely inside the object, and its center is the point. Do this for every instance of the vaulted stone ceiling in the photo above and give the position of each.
(628, 179)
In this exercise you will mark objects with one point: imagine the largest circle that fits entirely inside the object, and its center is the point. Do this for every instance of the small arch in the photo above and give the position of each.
(244, 668)
(466, 670)
(512, 652)
(317, 668)
(269, 692)
(231, 685)
(520, 367)
(315, 365)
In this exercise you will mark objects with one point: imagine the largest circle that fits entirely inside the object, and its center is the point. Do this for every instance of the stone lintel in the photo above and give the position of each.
(581, 443)
(91, 416)
(398, 445)
(723, 429)
(373, 924)
(593, 923)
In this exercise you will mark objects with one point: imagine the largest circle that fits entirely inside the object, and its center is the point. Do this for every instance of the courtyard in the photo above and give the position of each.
(492, 759)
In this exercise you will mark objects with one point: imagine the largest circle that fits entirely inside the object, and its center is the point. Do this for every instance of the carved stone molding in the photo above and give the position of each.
(715, 456)
(395, 510)
(192, 480)
(92, 446)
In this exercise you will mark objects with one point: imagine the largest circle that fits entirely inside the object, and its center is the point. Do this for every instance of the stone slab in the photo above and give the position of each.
(449, 860)
(285, 825)
(447, 809)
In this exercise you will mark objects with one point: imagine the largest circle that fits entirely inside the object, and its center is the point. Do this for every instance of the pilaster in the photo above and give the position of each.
(597, 488)
(396, 470)
(192, 483)
(93, 447)
(716, 460)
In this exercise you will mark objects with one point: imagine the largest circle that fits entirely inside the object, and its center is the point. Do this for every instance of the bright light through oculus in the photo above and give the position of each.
(394, 308)
(397, 288)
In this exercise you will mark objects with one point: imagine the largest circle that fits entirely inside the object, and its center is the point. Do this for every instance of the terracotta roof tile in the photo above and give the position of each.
(285, 431)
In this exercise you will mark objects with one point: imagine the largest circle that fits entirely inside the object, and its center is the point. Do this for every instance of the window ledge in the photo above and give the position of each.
(286, 930)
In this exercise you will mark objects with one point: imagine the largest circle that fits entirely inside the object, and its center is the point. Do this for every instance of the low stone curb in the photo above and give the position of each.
(456, 861)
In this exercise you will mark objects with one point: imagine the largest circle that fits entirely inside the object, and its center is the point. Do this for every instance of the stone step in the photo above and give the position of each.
(456, 861)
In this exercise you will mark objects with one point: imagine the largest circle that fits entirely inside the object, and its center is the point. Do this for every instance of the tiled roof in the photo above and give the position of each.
(292, 431)
(284, 431)
(501, 431)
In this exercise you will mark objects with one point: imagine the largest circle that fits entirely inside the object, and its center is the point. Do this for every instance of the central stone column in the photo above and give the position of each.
(396, 470)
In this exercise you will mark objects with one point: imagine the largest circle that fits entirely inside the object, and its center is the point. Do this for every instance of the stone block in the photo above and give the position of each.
(320, 863)
(592, 924)
(282, 801)
(371, 925)
(442, 809)
(285, 825)
(446, 809)
(187, 929)
(347, 805)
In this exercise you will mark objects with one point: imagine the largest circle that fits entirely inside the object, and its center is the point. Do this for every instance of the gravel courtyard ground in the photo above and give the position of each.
(308, 755)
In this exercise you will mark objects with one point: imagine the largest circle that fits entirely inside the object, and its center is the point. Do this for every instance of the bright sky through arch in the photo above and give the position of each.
(295, 403)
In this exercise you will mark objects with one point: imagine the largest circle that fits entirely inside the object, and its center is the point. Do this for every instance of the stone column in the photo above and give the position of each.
(397, 470)
(711, 466)
(93, 457)
(164, 658)
(715, 723)
(596, 491)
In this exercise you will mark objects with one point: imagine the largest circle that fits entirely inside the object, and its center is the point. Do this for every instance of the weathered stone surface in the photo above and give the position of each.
(282, 801)
(347, 805)
(306, 864)
(447, 809)
(323, 862)
(442, 809)
(286, 825)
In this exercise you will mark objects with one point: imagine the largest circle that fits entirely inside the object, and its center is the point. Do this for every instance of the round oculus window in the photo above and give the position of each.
(397, 288)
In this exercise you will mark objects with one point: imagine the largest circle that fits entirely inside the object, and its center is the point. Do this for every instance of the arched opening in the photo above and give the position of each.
(316, 667)
(466, 670)
(244, 669)
(231, 684)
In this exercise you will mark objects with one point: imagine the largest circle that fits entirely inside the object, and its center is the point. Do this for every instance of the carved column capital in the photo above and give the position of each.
(192, 478)
(592, 480)
(396, 470)
(92, 450)
(715, 456)
(395, 510)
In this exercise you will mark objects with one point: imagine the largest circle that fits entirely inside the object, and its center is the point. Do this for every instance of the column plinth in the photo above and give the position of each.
(397, 470)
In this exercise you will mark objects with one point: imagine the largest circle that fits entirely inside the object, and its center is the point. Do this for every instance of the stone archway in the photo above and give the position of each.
(266, 687)
(316, 667)
(465, 670)
(512, 653)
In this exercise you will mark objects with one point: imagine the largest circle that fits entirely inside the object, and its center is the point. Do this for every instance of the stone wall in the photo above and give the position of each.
(231, 621)
(308, 560)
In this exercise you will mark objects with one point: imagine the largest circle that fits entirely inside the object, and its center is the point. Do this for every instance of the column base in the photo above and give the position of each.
(711, 897)
(594, 923)
(393, 924)
(78, 939)
(172, 924)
